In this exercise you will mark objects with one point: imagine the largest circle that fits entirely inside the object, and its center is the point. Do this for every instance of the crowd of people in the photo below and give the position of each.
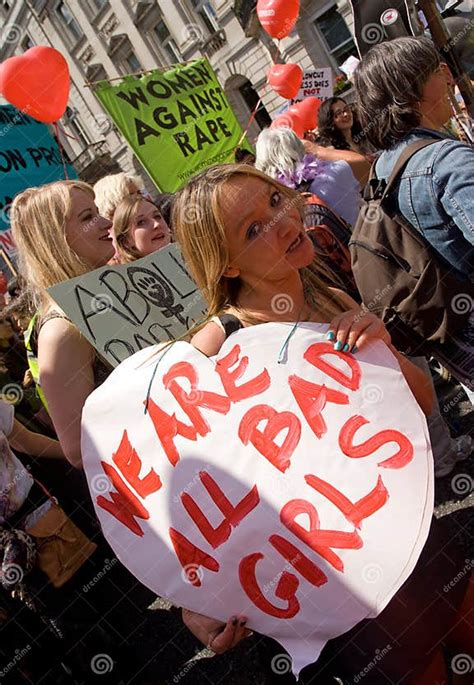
(305, 223)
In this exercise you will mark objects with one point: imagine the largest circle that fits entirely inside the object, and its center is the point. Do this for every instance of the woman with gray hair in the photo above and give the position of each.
(281, 155)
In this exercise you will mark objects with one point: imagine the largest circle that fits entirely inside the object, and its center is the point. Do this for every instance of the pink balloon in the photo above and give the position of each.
(290, 120)
(307, 110)
(285, 79)
(278, 17)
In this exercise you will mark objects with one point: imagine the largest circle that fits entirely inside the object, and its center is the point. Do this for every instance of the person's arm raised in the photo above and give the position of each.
(66, 371)
(359, 164)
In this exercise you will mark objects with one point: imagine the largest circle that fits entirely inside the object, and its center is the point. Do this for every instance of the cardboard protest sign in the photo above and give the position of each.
(297, 493)
(29, 156)
(177, 122)
(125, 308)
(316, 83)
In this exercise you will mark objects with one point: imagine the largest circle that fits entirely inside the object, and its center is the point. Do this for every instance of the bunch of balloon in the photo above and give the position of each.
(37, 83)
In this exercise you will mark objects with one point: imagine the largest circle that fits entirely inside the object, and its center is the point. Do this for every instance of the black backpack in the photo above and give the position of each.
(400, 276)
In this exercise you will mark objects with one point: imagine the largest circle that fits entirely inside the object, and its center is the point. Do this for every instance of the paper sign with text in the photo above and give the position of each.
(316, 83)
(123, 309)
(298, 494)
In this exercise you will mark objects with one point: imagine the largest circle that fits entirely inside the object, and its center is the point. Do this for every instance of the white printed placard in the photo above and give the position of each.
(316, 83)
(296, 490)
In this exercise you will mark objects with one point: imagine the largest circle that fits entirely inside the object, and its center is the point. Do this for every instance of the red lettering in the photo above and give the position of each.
(129, 463)
(191, 557)
(354, 513)
(253, 387)
(320, 541)
(299, 561)
(313, 356)
(285, 590)
(191, 401)
(312, 398)
(398, 461)
(124, 505)
(264, 441)
(233, 514)
(167, 428)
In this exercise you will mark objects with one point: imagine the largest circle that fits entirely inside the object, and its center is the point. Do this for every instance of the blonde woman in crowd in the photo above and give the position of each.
(245, 245)
(139, 229)
(59, 234)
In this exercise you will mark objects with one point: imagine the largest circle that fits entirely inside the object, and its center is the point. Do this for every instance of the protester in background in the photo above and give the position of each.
(112, 189)
(281, 155)
(239, 264)
(403, 92)
(139, 229)
(339, 138)
(339, 128)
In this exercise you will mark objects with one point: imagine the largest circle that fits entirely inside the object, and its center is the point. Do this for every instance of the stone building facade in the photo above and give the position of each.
(105, 39)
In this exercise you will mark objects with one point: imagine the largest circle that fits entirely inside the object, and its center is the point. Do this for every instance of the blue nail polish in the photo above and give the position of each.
(345, 348)
(331, 336)
(354, 349)
(338, 346)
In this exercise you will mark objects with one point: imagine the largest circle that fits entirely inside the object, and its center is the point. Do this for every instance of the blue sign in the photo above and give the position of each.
(29, 156)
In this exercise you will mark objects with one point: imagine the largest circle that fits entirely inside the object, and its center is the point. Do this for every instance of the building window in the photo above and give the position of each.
(27, 43)
(63, 11)
(336, 35)
(132, 62)
(166, 43)
(72, 120)
(207, 14)
(251, 98)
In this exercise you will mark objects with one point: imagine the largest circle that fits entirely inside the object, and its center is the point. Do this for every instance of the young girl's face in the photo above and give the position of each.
(87, 233)
(149, 231)
(265, 234)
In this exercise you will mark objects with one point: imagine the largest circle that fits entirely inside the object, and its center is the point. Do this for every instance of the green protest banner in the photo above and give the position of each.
(177, 122)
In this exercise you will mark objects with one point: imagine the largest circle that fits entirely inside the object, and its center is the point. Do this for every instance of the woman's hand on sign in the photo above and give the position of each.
(352, 330)
(214, 634)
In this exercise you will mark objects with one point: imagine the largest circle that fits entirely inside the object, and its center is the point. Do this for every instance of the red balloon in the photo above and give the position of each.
(37, 83)
(278, 17)
(307, 110)
(290, 120)
(285, 79)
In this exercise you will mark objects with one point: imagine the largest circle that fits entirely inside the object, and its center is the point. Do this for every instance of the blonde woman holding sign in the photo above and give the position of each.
(243, 240)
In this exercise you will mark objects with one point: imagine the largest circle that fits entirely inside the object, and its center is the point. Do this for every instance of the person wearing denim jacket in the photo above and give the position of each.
(403, 96)
(436, 195)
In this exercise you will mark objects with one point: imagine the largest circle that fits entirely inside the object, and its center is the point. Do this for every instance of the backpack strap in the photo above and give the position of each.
(379, 188)
(403, 160)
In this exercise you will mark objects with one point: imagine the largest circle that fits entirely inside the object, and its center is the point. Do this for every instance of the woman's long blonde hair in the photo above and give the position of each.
(198, 221)
(124, 216)
(38, 220)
